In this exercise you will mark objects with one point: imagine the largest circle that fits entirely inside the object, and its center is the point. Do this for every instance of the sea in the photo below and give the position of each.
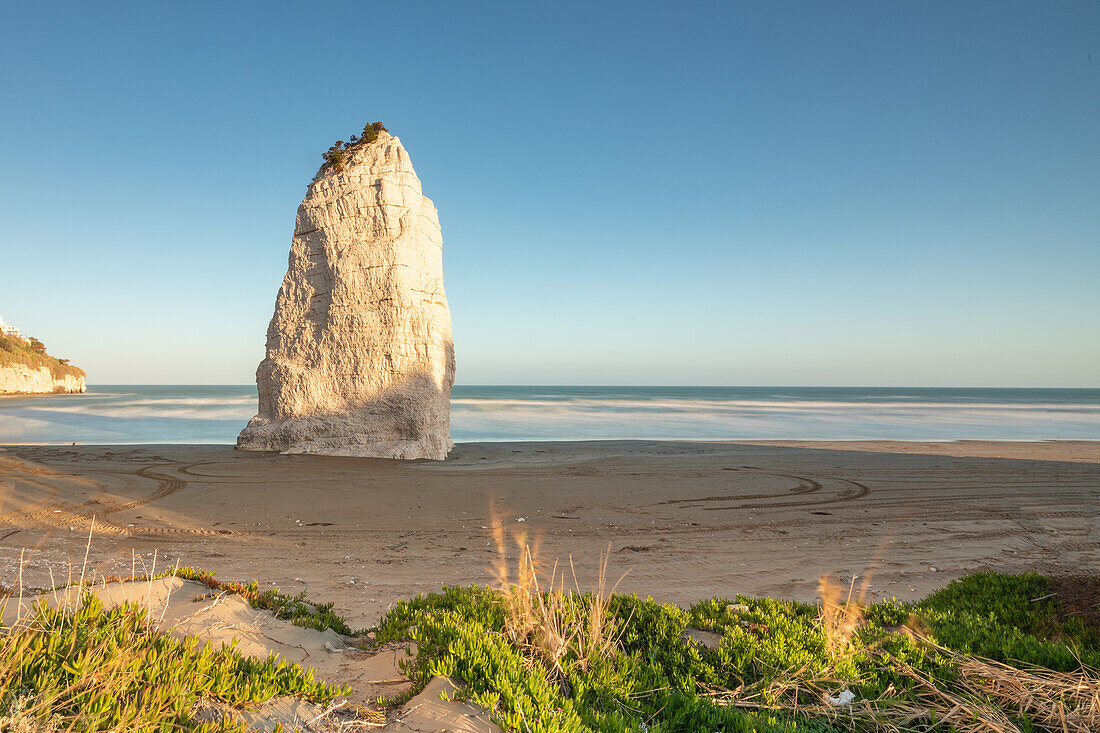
(116, 414)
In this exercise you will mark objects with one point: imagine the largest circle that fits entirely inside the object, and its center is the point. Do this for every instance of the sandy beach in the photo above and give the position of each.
(683, 521)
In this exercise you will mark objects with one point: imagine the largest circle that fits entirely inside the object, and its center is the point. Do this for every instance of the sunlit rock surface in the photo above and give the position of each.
(23, 379)
(360, 359)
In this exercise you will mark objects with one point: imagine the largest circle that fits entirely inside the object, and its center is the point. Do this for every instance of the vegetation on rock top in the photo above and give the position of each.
(336, 155)
(31, 352)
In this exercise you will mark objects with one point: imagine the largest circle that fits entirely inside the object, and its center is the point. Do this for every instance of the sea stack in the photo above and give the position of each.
(360, 359)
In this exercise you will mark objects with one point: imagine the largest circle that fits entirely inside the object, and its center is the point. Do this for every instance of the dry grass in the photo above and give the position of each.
(986, 690)
(72, 665)
(887, 713)
(102, 682)
(982, 698)
(1056, 701)
(35, 713)
(840, 620)
(546, 619)
(20, 717)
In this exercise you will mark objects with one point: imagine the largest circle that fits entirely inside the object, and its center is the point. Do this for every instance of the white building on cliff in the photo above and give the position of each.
(6, 329)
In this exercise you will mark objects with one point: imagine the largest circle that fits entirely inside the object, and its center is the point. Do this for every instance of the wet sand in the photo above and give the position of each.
(684, 520)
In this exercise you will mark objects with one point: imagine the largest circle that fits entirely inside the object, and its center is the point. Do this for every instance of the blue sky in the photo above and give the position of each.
(875, 193)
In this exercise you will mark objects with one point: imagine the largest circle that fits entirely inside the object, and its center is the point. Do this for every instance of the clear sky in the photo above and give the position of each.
(879, 193)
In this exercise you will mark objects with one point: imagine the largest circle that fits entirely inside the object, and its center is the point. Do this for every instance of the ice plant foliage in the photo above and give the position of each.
(85, 668)
(990, 652)
(774, 664)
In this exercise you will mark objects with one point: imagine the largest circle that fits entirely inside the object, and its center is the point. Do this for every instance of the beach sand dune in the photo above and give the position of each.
(684, 520)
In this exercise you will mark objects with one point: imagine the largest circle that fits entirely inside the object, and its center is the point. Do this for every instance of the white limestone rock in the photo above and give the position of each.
(22, 379)
(360, 359)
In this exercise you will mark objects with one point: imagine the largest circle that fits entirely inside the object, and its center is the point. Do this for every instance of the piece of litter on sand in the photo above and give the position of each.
(521, 519)
(737, 608)
(844, 698)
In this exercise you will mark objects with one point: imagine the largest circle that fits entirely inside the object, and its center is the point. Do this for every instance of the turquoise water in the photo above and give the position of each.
(215, 414)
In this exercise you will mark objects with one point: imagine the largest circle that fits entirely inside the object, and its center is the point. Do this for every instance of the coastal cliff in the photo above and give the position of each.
(360, 360)
(22, 379)
(26, 368)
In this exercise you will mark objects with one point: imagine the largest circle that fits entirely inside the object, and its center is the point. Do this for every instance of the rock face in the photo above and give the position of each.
(22, 379)
(360, 360)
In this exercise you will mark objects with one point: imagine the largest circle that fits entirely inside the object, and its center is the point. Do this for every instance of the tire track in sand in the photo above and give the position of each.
(166, 486)
(806, 487)
(856, 491)
(51, 504)
(56, 514)
(19, 472)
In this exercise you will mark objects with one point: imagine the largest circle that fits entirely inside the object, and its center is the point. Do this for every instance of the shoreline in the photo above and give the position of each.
(685, 520)
(1078, 450)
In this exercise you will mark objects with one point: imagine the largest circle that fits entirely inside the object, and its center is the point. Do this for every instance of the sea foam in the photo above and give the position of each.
(214, 414)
